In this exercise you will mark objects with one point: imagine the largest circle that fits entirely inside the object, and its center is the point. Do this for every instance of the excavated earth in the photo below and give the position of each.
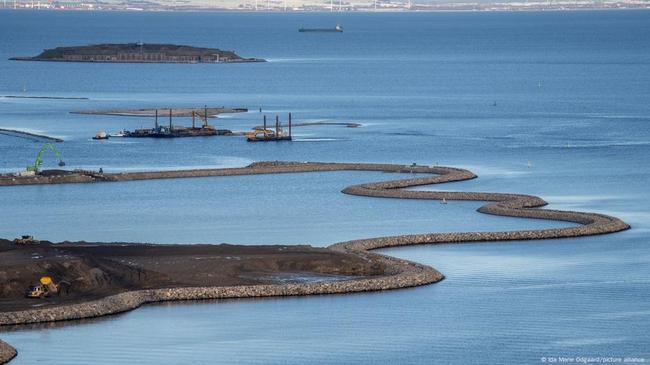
(161, 275)
(95, 270)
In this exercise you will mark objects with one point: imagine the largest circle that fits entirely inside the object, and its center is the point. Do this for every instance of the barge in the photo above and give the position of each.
(175, 131)
(266, 135)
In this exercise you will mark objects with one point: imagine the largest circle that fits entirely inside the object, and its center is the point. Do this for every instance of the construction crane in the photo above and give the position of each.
(39, 158)
(203, 118)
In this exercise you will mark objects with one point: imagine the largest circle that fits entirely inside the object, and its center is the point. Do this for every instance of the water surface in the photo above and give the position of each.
(551, 104)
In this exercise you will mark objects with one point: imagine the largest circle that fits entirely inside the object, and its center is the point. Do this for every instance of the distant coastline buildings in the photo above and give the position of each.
(323, 5)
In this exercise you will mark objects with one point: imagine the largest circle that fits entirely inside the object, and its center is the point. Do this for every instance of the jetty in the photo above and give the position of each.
(138, 53)
(46, 97)
(29, 135)
(383, 273)
(151, 112)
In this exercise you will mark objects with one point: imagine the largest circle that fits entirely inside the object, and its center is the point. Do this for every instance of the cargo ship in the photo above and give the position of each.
(337, 29)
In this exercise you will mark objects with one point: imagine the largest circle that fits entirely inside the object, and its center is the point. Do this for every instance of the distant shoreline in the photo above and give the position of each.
(364, 11)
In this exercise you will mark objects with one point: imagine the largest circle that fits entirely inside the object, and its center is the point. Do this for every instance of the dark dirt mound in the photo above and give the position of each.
(94, 270)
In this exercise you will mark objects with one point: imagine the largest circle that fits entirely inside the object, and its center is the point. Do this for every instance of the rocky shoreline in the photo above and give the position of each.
(6, 352)
(400, 273)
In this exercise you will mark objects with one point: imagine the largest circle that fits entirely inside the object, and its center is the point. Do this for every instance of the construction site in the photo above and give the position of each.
(265, 134)
(41, 274)
(34, 174)
(171, 130)
(200, 127)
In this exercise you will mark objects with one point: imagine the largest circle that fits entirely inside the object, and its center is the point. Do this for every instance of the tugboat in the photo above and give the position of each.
(337, 29)
(101, 135)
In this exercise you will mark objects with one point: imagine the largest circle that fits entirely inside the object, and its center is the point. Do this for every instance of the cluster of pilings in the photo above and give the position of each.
(264, 134)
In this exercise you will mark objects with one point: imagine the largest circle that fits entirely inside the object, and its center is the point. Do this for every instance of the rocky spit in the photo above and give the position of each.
(400, 273)
(6, 352)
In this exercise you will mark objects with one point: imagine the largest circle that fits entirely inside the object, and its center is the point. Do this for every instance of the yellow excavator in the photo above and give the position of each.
(260, 134)
(202, 118)
(45, 288)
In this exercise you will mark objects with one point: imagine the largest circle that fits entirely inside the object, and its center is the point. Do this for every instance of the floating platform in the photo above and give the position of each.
(176, 132)
(268, 138)
(171, 130)
(267, 135)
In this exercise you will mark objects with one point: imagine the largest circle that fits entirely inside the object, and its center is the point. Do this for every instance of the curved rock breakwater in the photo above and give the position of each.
(399, 273)
(6, 352)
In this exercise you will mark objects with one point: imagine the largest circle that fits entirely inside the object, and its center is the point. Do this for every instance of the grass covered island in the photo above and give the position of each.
(138, 53)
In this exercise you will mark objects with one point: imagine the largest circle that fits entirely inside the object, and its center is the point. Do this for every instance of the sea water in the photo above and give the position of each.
(552, 104)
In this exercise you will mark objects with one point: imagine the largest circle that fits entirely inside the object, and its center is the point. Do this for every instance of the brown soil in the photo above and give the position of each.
(95, 270)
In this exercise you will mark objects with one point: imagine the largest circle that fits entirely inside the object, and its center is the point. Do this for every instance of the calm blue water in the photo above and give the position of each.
(424, 87)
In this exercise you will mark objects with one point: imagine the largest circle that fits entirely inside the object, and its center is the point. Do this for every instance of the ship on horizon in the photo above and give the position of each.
(337, 29)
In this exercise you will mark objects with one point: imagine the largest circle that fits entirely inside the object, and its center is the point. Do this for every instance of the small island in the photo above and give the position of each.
(138, 53)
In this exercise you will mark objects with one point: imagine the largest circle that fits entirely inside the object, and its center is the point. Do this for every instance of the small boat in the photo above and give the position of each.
(121, 133)
(101, 135)
(444, 201)
(337, 29)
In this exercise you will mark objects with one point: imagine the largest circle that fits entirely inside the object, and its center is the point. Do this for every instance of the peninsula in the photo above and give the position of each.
(138, 53)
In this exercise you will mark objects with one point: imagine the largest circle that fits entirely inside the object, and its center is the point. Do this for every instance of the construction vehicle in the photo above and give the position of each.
(26, 240)
(45, 288)
(35, 168)
(260, 134)
(264, 134)
(203, 118)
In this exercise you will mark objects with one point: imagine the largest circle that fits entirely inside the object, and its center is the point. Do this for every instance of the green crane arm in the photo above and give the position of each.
(39, 158)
